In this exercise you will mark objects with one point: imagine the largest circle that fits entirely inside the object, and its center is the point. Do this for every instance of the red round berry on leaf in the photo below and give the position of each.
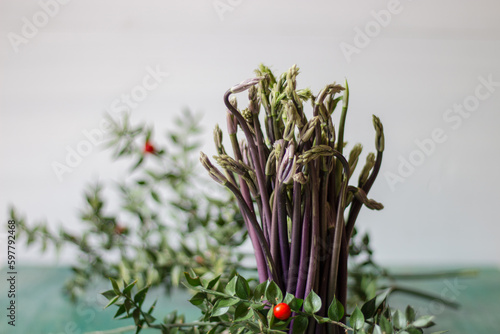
(149, 148)
(282, 311)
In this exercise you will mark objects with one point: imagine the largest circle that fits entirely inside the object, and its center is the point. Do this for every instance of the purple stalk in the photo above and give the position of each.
(339, 228)
(283, 231)
(275, 240)
(259, 254)
(262, 240)
(257, 197)
(245, 192)
(325, 251)
(266, 214)
(314, 255)
(262, 269)
(260, 259)
(303, 267)
(323, 205)
(343, 273)
(316, 228)
(296, 242)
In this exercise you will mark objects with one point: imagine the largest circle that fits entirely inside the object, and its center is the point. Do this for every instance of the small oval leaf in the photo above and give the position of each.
(312, 303)
(300, 325)
(357, 319)
(273, 293)
(336, 310)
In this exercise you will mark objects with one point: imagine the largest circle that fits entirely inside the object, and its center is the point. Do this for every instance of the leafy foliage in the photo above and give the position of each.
(244, 307)
(166, 223)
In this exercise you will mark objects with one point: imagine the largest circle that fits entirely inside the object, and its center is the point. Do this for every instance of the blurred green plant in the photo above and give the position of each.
(165, 223)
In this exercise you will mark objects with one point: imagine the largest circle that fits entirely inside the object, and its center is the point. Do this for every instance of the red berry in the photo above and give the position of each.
(149, 148)
(120, 229)
(282, 311)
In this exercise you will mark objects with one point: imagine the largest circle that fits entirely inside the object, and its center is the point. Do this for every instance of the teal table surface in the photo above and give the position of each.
(42, 308)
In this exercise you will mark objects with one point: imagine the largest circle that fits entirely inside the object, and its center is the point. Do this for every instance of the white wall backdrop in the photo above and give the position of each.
(429, 69)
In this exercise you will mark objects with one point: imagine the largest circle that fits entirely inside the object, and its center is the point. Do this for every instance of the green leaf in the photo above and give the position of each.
(228, 302)
(109, 294)
(410, 314)
(260, 291)
(254, 328)
(257, 306)
(296, 304)
(357, 320)
(235, 328)
(141, 295)
(198, 298)
(128, 305)
(152, 307)
(128, 288)
(412, 330)
(155, 196)
(423, 321)
(312, 303)
(112, 301)
(300, 324)
(321, 320)
(139, 328)
(149, 318)
(273, 293)
(219, 310)
(231, 286)
(377, 330)
(148, 134)
(137, 316)
(176, 274)
(399, 320)
(138, 163)
(213, 282)
(116, 288)
(270, 318)
(242, 289)
(368, 309)
(206, 278)
(385, 325)
(120, 311)
(288, 298)
(381, 297)
(243, 312)
(193, 281)
(261, 317)
(366, 239)
(213, 330)
(336, 310)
